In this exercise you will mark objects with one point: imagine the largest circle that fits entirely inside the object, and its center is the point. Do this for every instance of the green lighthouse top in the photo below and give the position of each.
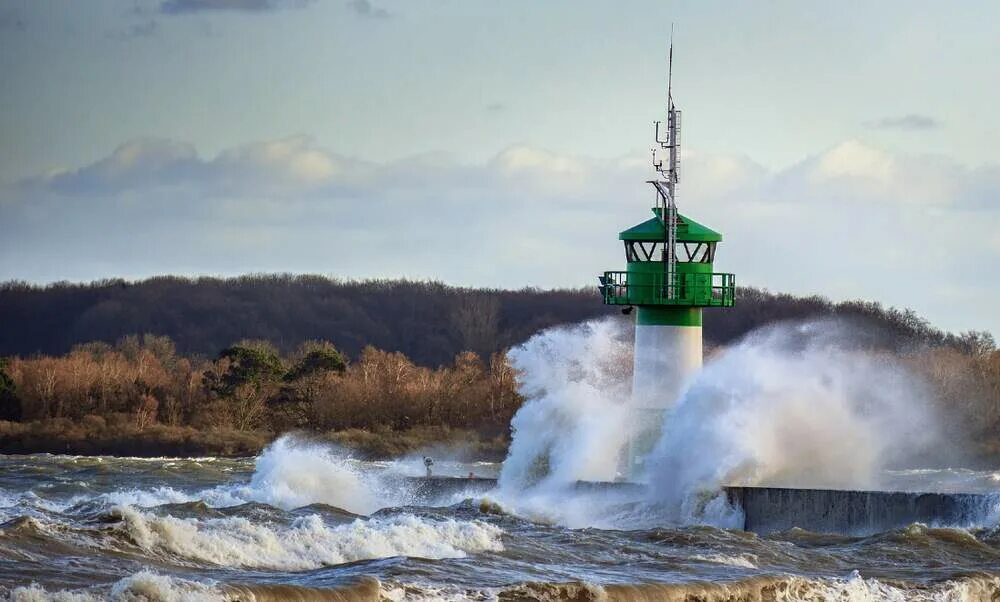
(688, 230)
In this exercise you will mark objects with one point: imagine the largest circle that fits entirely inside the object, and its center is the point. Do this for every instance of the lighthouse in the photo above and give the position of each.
(668, 280)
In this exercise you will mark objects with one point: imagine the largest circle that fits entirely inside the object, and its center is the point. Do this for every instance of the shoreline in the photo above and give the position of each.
(96, 438)
(63, 437)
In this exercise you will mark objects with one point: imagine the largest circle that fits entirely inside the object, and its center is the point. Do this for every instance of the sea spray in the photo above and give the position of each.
(573, 425)
(795, 405)
(800, 404)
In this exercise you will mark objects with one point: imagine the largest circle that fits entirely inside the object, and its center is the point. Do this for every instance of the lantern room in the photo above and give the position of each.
(691, 283)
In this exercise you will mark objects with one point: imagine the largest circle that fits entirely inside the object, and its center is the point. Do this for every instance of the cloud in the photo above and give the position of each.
(364, 8)
(855, 173)
(286, 166)
(911, 122)
(852, 173)
(850, 221)
(137, 164)
(176, 7)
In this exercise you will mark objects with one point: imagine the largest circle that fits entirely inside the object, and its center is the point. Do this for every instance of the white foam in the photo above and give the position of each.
(28, 503)
(428, 593)
(307, 543)
(141, 497)
(144, 586)
(37, 593)
(856, 588)
(745, 561)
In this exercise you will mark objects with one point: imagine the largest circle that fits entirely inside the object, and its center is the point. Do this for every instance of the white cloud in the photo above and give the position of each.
(854, 172)
(852, 221)
(285, 166)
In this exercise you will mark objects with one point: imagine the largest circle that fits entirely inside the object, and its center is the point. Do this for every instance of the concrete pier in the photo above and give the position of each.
(773, 509)
(437, 490)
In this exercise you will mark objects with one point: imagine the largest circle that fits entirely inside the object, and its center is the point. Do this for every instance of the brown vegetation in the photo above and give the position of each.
(138, 397)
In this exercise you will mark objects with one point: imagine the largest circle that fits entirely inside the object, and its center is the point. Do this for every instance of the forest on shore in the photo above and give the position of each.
(175, 366)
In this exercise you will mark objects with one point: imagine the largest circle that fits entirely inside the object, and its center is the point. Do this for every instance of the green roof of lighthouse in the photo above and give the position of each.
(688, 230)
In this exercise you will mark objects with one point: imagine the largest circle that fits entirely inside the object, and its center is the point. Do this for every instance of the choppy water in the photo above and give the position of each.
(302, 522)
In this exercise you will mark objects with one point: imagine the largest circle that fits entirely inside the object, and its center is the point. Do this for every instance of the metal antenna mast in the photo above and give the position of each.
(666, 185)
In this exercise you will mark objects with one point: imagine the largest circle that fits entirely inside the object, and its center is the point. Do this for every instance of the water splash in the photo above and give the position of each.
(797, 404)
(793, 405)
(573, 426)
(292, 473)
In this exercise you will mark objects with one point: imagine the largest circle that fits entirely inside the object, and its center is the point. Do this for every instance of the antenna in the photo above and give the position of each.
(670, 68)
(669, 176)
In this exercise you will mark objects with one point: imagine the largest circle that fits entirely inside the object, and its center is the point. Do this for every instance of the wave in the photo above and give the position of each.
(290, 473)
(854, 588)
(147, 586)
(144, 586)
(744, 561)
(307, 543)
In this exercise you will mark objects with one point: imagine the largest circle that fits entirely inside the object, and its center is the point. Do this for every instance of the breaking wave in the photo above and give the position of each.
(148, 586)
(144, 586)
(292, 473)
(853, 588)
(289, 473)
(307, 543)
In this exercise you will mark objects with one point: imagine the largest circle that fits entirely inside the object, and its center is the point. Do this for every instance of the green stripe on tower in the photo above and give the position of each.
(649, 315)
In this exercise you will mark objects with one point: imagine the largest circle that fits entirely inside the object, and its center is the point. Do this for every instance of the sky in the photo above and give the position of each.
(843, 149)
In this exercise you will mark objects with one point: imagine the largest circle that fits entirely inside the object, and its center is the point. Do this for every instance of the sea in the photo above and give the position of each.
(306, 521)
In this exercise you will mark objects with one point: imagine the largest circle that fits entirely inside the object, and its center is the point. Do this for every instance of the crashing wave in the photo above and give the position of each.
(307, 543)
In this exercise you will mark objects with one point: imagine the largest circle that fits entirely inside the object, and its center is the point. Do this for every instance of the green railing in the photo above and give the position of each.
(692, 290)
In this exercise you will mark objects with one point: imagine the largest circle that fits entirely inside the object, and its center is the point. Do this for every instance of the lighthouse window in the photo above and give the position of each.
(700, 252)
(687, 252)
(643, 250)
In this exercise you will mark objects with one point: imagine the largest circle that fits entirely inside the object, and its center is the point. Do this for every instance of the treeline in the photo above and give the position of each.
(428, 322)
(141, 391)
(414, 363)
(139, 396)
